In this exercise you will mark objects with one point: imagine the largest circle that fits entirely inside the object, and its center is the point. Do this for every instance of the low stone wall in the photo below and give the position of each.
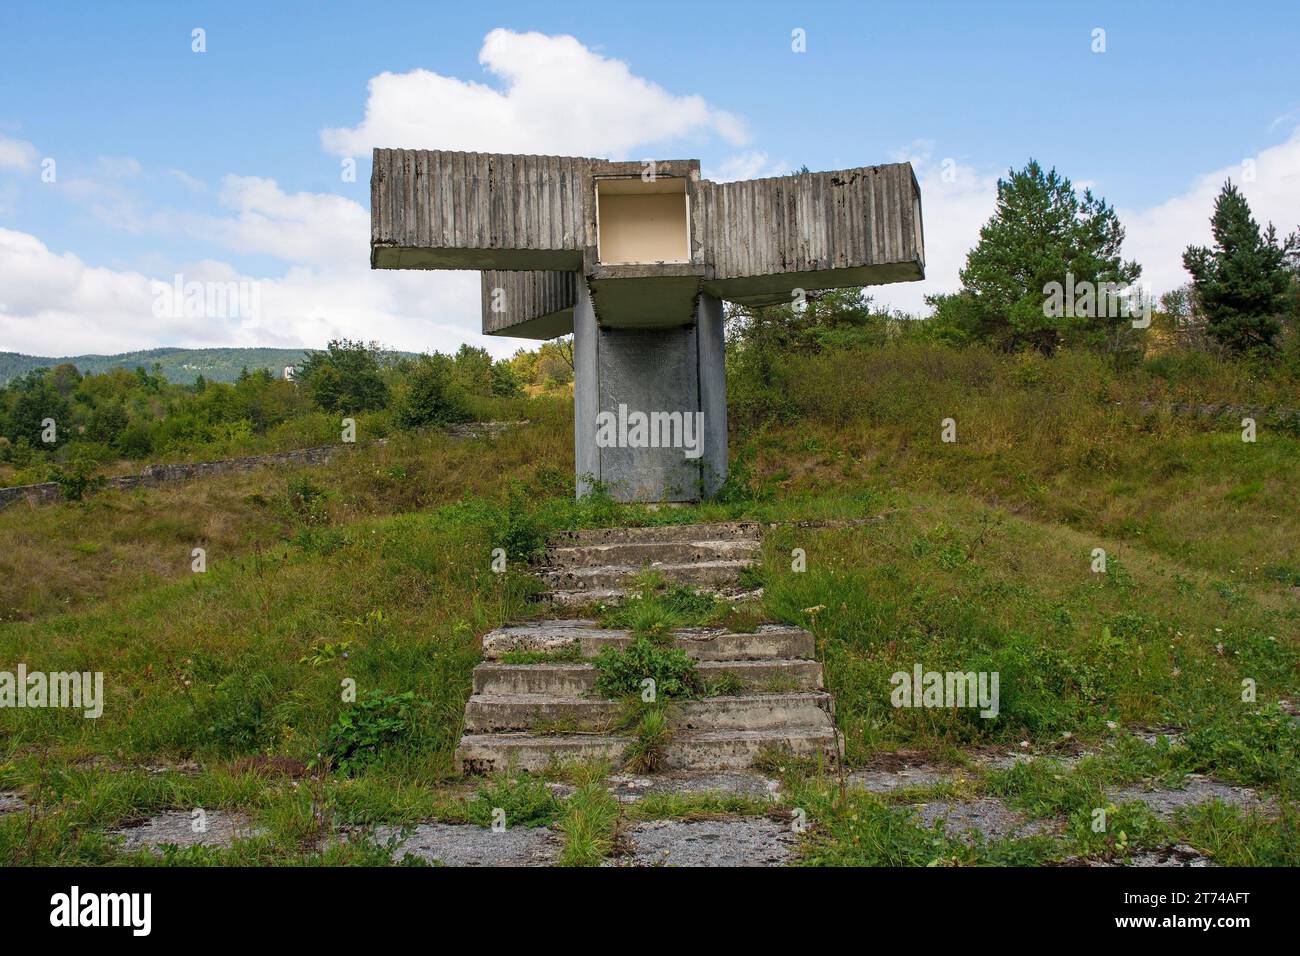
(1276, 416)
(50, 491)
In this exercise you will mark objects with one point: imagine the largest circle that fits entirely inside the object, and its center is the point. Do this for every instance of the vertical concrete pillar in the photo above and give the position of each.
(713, 389)
(660, 374)
(586, 389)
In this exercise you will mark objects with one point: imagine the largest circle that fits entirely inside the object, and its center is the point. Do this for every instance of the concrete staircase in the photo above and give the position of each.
(584, 567)
(528, 716)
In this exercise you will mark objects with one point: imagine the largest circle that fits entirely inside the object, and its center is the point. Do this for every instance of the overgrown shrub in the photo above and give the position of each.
(620, 672)
(365, 729)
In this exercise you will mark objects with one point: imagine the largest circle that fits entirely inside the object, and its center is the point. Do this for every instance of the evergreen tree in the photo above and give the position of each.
(345, 377)
(1243, 284)
(1040, 233)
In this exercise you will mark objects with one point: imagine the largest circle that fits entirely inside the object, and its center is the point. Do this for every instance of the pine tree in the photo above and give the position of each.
(1242, 284)
(1040, 232)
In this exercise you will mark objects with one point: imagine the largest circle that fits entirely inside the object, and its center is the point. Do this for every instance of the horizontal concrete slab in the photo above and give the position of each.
(767, 642)
(711, 573)
(488, 713)
(579, 680)
(713, 750)
(718, 531)
(650, 552)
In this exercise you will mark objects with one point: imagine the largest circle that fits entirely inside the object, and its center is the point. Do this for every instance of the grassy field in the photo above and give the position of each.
(979, 556)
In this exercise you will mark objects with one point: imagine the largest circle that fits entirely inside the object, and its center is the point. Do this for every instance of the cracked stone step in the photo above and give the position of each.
(615, 596)
(642, 553)
(767, 641)
(705, 750)
(579, 680)
(723, 531)
(618, 576)
(487, 714)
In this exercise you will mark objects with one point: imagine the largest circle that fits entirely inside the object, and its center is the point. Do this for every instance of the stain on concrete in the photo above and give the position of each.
(1164, 803)
(460, 844)
(1164, 856)
(177, 827)
(11, 802)
(888, 780)
(749, 841)
(628, 789)
(987, 816)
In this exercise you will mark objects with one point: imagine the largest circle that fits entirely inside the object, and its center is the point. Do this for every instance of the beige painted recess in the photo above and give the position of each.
(642, 222)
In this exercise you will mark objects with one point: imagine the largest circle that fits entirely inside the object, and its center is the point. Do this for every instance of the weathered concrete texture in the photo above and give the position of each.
(451, 844)
(705, 573)
(532, 716)
(177, 827)
(718, 531)
(710, 557)
(701, 644)
(483, 429)
(629, 789)
(751, 841)
(650, 553)
(531, 305)
(579, 680)
(489, 714)
(439, 209)
(703, 750)
(1179, 855)
(987, 816)
(888, 780)
(11, 802)
(765, 237)
(752, 241)
(1165, 803)
(678, 372)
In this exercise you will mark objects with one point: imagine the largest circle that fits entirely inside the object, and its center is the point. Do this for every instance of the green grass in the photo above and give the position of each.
(974, 556)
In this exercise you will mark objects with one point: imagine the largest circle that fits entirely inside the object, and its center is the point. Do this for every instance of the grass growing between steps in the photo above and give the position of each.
(590, 818)
(655, 608)
(222, 688)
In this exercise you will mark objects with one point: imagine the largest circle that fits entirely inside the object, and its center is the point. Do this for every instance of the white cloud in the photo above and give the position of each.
(752, 164)
(118, 167)
(57, 304)
(955, 201)
(1157, 236)
(17, 154)
(958, 203)
(305, 228)
(557, 96)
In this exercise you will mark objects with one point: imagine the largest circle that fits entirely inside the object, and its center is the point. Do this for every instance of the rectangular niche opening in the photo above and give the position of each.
(642, 222)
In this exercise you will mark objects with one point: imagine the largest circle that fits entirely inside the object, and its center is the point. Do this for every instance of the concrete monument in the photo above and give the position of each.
(635, 260)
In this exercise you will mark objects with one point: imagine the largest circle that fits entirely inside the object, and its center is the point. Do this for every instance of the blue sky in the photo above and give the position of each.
(213, 164)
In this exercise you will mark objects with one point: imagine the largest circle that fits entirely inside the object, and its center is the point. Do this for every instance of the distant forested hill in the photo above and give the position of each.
(182, 366)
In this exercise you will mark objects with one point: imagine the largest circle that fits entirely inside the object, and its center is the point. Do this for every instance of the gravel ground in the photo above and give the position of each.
(752, 841)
